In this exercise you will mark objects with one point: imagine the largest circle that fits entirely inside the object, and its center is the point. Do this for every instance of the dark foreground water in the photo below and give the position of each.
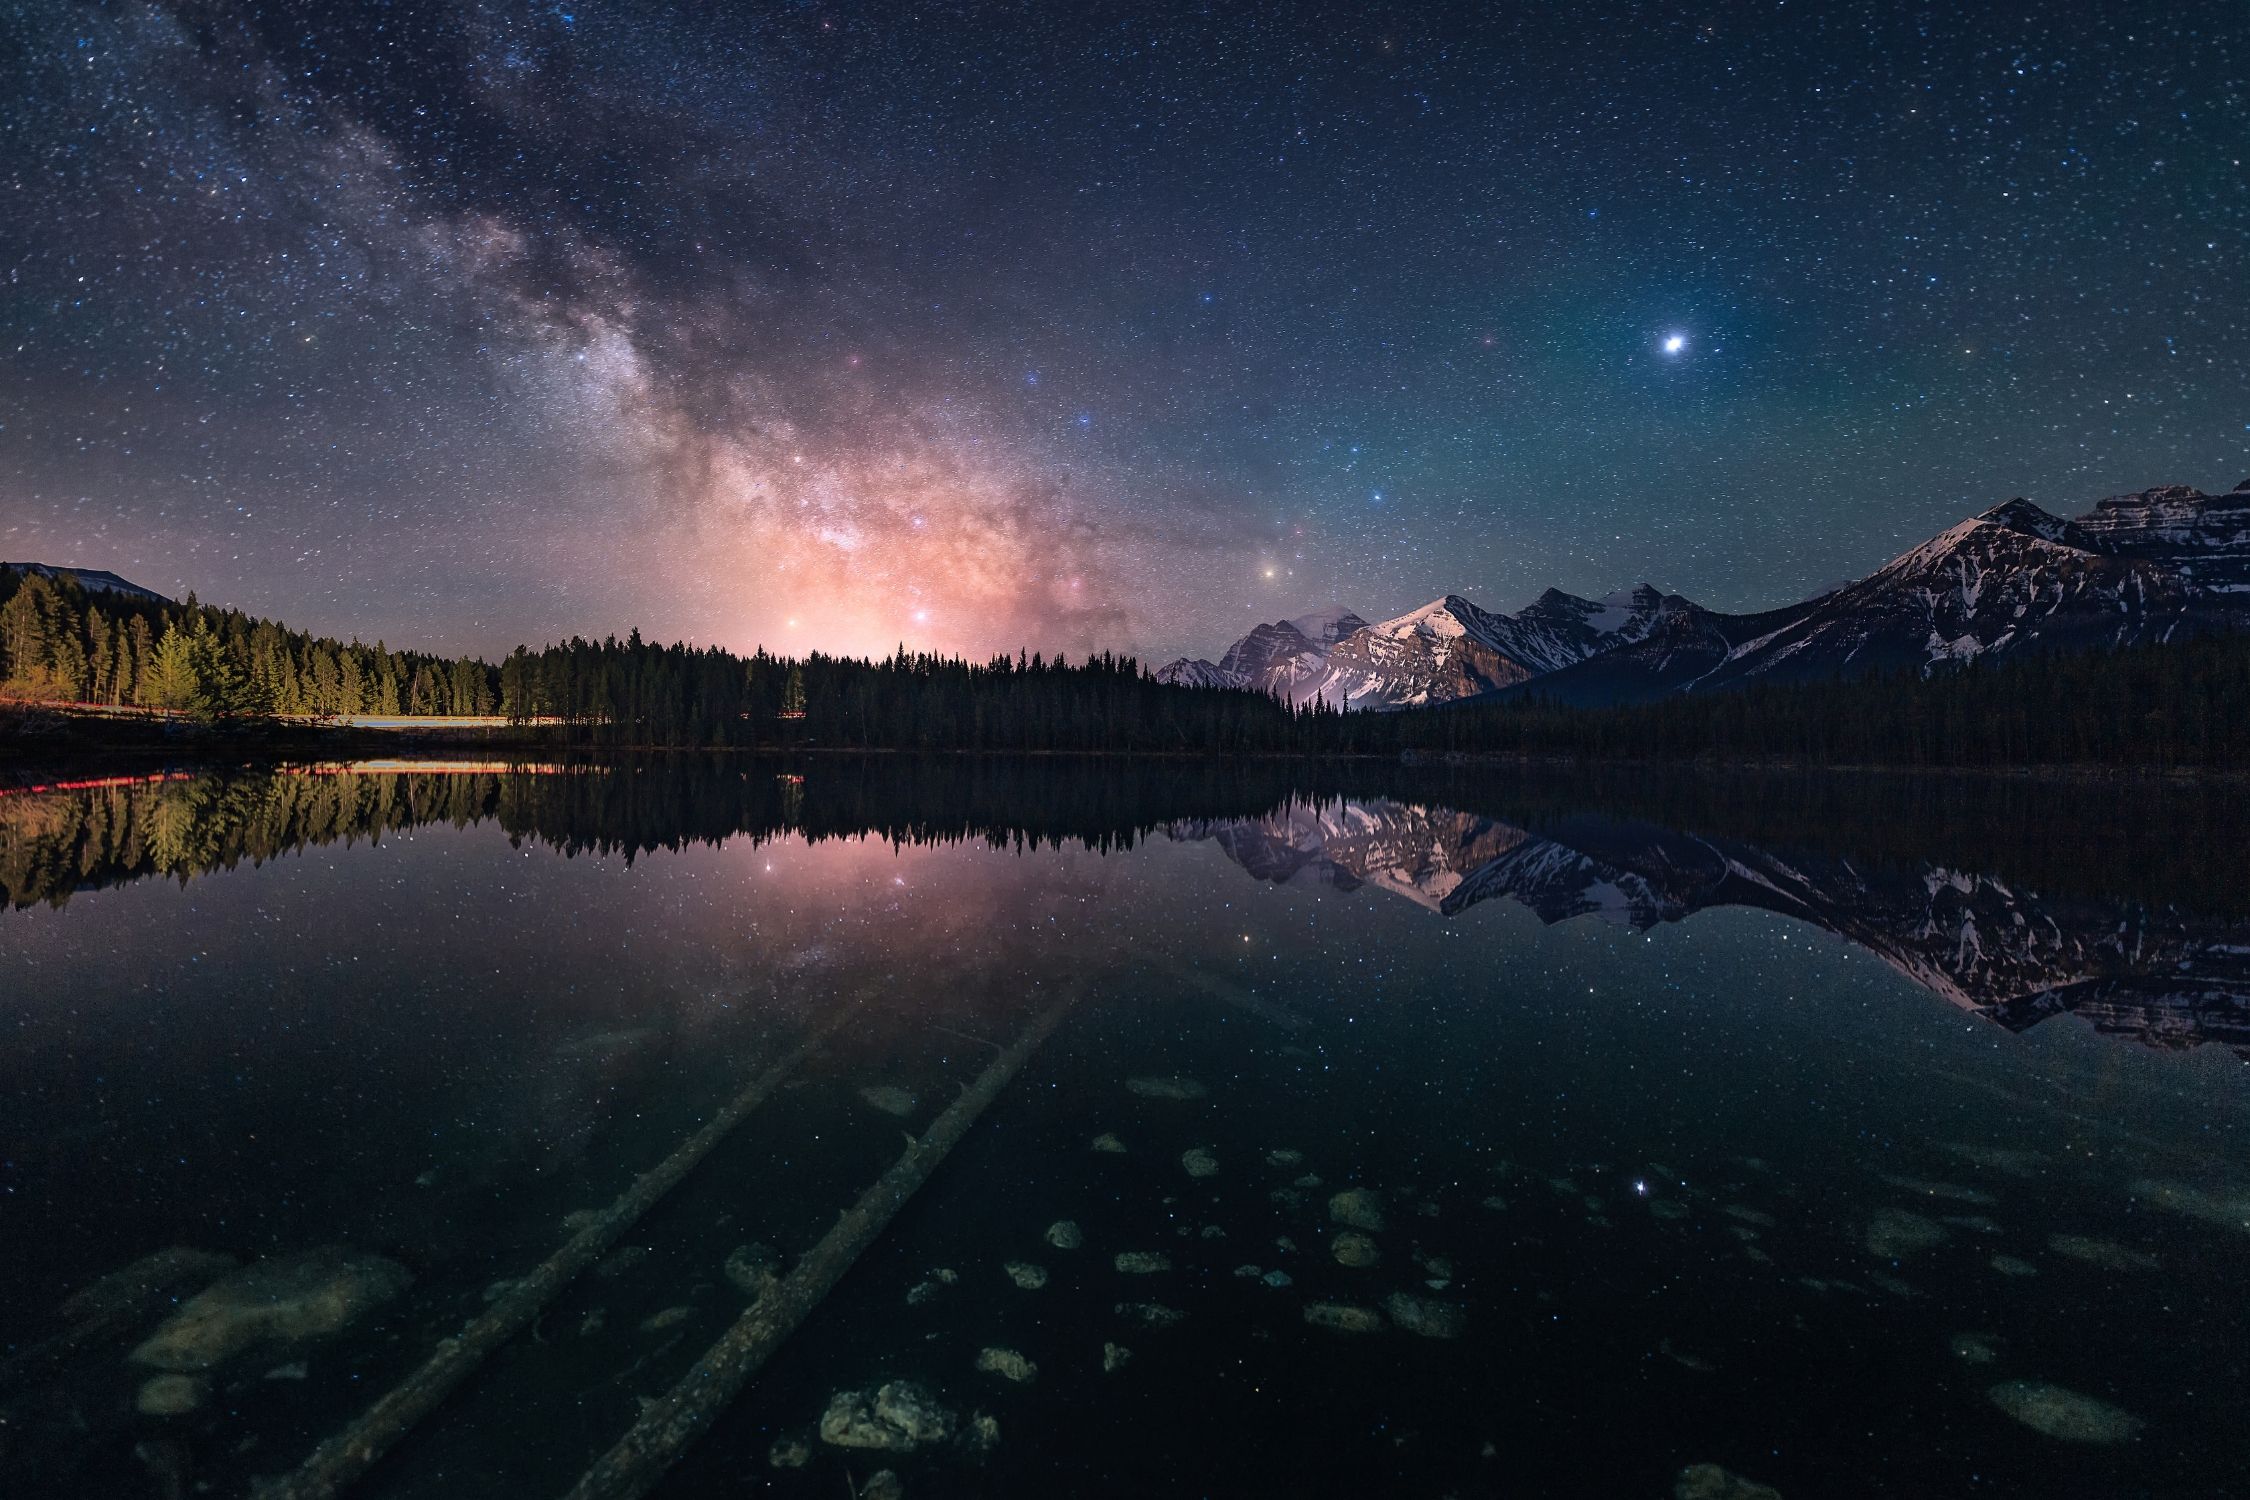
(1398, 1132)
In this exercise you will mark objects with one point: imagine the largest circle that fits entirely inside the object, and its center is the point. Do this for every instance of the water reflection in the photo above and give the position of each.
(2123, 934)
(1300, 1162)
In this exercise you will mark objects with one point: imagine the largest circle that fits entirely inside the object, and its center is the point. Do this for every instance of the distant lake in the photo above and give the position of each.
(1371, 1130)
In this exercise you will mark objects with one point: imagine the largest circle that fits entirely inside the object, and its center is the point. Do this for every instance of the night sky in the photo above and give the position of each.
(1090, 326)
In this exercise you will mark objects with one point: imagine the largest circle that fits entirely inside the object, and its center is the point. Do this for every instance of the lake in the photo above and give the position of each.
(946, 1127)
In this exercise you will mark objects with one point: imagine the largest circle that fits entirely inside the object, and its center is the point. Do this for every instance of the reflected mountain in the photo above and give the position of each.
(2008, 955)
(2014, 901)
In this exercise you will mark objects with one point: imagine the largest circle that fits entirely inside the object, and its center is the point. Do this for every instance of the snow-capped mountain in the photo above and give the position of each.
(93, 580)
(2153, 566)
(1277, 657)
(2150, 567)
(1447, 649)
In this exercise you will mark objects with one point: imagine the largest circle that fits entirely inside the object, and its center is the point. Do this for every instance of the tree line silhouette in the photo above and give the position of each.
(2179, 705)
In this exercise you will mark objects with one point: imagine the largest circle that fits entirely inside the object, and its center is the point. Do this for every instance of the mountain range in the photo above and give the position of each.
(2151, 566)
(2163, 976)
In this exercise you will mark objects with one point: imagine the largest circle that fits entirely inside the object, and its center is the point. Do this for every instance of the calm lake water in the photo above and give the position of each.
(1387, 1131)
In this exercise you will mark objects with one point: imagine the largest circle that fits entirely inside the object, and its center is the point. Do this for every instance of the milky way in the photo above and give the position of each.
(1076, 327)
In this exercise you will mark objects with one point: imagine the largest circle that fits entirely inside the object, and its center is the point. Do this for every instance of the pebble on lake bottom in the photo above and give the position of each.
(1710, 1482)
(888, 1098)
(2009, 1265)
(1109, 1145)
(1895, 1234)
(1197, 1162)
(1357, 1208)
(1351, 1248)
(671, 1317)
(1008, 1365)
(1114, 1358)
(789, 1453)
(883, 1484)
(1142, 1262)
(1150, 1314)
(1064, 1234)
(1344, 1317)
(1285, 1158)
(2063, 1414)
(1426, 1316)
(1026, 1275)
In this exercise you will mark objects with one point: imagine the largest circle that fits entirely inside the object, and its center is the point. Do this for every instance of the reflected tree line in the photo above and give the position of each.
(2173, 844)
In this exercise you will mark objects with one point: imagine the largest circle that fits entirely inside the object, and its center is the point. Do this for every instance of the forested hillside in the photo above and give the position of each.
(2185, 704)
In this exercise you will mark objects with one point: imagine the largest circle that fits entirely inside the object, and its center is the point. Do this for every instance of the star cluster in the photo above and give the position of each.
(977, 327)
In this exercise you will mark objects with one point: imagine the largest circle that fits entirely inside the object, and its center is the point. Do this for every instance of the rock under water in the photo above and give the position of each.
(1427, 1316)
(1344, 1317)
(1357, 1208)
(1008, 1365)
(312, 1295)
(1710, 1482)
(2063, 1414)
(898, 1416)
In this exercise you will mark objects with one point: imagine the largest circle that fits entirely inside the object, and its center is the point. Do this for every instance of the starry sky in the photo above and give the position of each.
(1085, 326)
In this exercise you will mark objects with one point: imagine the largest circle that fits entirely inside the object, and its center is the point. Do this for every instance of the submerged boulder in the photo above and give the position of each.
(1351, 1248)
(1710, 1482)
(312, 1295)
(1357, 1208)
(1427, 1316)
(1064, 1234)
(898, 1416)
(1344, 1317)
(1008, 1365)
(2063, 1414)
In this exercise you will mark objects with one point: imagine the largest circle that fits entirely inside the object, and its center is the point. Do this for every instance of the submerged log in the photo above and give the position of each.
(641, 1458)
(347, 1454)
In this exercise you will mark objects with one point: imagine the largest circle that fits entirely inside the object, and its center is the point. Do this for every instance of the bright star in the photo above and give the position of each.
(1674, 342)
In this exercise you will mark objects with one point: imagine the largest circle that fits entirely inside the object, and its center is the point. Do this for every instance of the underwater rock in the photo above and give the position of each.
(920, 1292)
(984, 1431)
(1284, 1244)
(295, 1370)
(2107, 1254)
(1064, 1234)
(671, 1317)
(1211, 1232)
(753, 1269)
(1974, 1349)
(317, 1293)
(1167, 1088)
(789, 1453)
(1748, 1215)
(1426, 1316)
(1285, 1158)
(1351, 1248)
(2009, 1265)
(1142, 1262)
(1026, 1275)
(1150, 1314)
(1344, 1317)
(1686, 1360)
(2063, 1414)
(169, 1396)
(899, 1416)
(1008, 1365)
(1895, 1234)
(1288, 1198)
(1197, 1162)
(1249, 1273)
(1277, 1279)
(883, 1484)
(1114, 1358)
(946, 1275)
(1710, 1482)
(129, 1292)
(891, 1100)
(1308, 1182)
(1947, 1190)
(1667, 1208)
(1358, 1208)
(1109, 1145)
(592, 1323)
(2229, 1209)
(1496, 1203)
